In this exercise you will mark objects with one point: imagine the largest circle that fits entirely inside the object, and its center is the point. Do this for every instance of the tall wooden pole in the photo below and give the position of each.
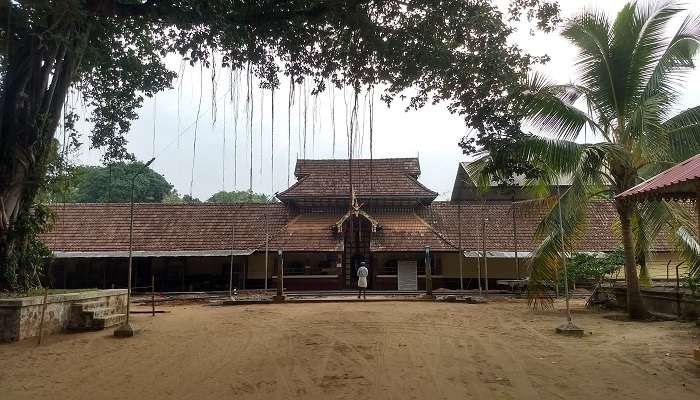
(428, 273)
(461, 255)
(280, 276)
(515, 242)
(563, 253)
(43, 312)
(153, 295)
(131, 245)
(267, 242)
(478, 271)
(483, 249)
(230, 267)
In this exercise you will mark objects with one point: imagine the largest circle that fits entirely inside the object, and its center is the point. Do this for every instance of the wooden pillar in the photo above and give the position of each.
(428, 274)
(182, 275)
(515, 242)
(267, 243)
(279, 297)
(459, 239)
(483, 248)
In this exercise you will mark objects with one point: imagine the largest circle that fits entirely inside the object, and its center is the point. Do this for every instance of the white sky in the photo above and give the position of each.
(432, 132)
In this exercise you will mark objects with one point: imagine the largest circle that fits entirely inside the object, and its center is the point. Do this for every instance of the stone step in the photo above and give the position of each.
(110, 320)
(99, 312)
(90, 305)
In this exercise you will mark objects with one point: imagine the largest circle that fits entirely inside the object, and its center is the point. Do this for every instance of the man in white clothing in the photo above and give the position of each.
(362, 273)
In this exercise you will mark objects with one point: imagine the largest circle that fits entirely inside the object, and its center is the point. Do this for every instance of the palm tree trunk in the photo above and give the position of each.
(635, 303)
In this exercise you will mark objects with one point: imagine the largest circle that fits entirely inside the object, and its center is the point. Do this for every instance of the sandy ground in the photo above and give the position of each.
(384, 350)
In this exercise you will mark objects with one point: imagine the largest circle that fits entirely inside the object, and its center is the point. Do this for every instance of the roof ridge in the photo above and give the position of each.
(359, 159)
(435, 231)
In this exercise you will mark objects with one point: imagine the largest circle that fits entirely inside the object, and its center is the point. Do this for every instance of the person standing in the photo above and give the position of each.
(362, 273)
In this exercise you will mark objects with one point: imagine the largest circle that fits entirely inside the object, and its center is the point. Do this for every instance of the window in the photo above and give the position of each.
(389, 268)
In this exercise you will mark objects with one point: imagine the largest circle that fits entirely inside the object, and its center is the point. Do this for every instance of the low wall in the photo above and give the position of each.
(661, 300)
(20, 317)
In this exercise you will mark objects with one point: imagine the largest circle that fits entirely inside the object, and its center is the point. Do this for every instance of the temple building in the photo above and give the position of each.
(338, 214)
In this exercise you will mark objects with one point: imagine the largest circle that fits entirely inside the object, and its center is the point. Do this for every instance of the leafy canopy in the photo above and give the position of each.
(241, 196)
(450, 50)
(112, 184)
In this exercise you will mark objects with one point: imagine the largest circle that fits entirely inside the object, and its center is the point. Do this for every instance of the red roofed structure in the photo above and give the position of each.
(337, 215)
(680, 182)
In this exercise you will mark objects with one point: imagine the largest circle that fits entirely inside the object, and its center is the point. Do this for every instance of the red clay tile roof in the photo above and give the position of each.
(200, 227)
(405, 231)
(380, 178)
(678, 182)
(309, 232)
(598, 236)
(163, 227)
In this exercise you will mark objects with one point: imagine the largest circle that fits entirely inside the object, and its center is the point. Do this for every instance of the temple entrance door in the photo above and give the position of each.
(407, 275)
(357, 239)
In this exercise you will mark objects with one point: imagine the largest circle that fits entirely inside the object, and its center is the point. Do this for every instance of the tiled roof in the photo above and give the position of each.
(207, 227)
(309, 232)
(163, 227)
(599, 234)
(678, 182)
(405, 231)
(396, 177)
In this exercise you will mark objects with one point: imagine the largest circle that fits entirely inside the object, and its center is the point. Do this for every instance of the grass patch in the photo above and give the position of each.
(40, 292)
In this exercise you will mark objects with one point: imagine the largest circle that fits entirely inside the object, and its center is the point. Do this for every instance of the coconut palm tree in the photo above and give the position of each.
(630, 74)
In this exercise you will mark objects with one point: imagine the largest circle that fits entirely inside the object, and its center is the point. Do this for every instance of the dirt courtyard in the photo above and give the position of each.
(380, 350)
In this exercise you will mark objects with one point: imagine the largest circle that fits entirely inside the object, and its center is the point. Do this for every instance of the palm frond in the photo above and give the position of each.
(590, 31)
(564, 222)
(551, 107)
(671, 67)
(690, 250)
(683, 131)
(639, 40)
(558, 156)
(478, 172)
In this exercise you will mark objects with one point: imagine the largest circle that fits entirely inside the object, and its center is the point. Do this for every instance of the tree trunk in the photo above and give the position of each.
(37, 78)
(635, 303)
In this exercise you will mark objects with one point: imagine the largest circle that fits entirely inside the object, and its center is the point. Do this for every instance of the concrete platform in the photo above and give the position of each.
(570, 329)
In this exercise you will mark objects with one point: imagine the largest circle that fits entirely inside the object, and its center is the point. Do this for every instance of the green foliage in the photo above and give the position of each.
(24, 268)
(113, 184)
(591, 268)
(451, 50)
(175, 198)
(631, 73)
(241, 196)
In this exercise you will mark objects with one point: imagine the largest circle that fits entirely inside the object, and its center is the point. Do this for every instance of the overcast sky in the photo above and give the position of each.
(431, 133)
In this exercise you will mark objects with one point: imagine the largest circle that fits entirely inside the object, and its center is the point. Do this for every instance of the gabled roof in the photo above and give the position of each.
(406, 231)
(309, 232)
(394, 178)
(681, 181)
(465, 189)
